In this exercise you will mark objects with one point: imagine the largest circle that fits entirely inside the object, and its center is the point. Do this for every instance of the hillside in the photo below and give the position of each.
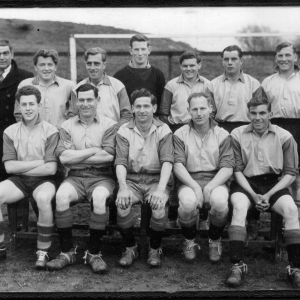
(32, 35)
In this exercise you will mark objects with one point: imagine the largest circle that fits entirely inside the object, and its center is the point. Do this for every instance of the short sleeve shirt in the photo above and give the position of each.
(76, 135)
(207, 154)
(231, 98)
(55, 99)
(144, 155)
(274, 152)
(180, 90)
(284, 95)
(27, 144)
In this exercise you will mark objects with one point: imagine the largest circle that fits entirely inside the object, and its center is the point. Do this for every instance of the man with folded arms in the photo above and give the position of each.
(86, 147)
(29, 158)
(144, 160)
(266, 165)
(203, 164)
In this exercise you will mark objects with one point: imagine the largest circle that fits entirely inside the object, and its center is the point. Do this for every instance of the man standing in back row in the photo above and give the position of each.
(10, 77)
(55, 90)
(114, 102)
(139, 73)
(283, 92)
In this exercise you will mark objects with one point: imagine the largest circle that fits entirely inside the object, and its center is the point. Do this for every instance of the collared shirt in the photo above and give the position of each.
(273, 152)
(6, 71)
(141, 154)
(174, 101)
(76, 135)
(231, 98)
(114, 101)
(284, 95)
(207, 154)
(26, 144)
(55, 99)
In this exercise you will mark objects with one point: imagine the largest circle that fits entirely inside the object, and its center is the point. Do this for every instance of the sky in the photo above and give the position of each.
(207, 28)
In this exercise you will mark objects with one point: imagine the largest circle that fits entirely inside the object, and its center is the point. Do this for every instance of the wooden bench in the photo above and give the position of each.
(18, 216)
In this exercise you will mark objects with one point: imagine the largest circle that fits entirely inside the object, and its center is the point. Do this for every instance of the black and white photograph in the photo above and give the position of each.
(150, 152)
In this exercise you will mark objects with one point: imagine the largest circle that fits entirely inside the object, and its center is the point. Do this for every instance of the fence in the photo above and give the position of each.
(258, 64)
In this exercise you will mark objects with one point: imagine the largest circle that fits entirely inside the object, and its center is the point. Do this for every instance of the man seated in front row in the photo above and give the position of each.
(144, 160)
(86, 147)
(263, 152)
(29, 158)
(203, 164)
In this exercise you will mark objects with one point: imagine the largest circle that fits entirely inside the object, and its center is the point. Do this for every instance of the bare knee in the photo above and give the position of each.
(43, 200)
(63, 199)
(290, 212)
(99, 203)
(219, 201)
(240, 209)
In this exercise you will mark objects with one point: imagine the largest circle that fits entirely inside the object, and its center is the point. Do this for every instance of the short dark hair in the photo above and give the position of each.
(189, 55)
(233, 48)
(198, 95)
(95, 51)
(28, 90)
(142, 93)
(139, 38)
(6, 43)
(87, 87)
(259, 97)
(46, 53)
(285, 45)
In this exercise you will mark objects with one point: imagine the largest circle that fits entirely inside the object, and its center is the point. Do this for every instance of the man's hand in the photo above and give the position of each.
(156, 199)
(264, 202)
(199, 195)
(124, 198)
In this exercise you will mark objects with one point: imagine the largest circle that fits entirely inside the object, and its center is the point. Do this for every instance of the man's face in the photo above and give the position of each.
(200, 110)
(87, 103)
(259, 117)
(143, 109)
(5, 57)
(29, 107)
(286, 59)
(189, 68)
(95, 66)
(45, 68)
(140, 52)
(232, 63)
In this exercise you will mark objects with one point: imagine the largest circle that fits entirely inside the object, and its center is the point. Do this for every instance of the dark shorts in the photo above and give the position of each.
(27, 184)
(291, 125)
(85, 186)
(261, 185)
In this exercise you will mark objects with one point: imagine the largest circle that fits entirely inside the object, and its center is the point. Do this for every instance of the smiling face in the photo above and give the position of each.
(200, 110)
(232, 63)
(140, 52)
(285, 59)
(190, 68)
(6, 56)
(45, 68)
(259, 117)
(29, 108)
(143, 109)
(87, 104)
(95, 67)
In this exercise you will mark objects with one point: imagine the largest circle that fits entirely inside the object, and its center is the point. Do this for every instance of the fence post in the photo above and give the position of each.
(73, 65)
